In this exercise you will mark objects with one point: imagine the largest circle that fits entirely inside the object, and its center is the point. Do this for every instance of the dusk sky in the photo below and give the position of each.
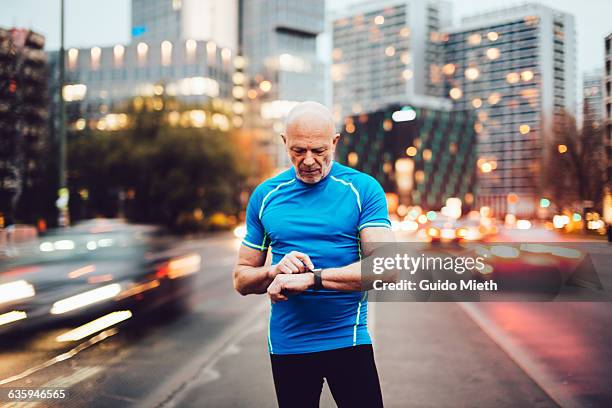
(92, 22)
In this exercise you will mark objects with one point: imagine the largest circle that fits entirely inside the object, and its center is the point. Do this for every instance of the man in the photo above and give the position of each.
(317, 214)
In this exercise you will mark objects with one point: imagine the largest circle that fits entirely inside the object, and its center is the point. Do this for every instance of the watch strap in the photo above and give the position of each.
(318, 281)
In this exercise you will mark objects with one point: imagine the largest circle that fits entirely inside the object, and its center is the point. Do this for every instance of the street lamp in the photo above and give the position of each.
(62, 192)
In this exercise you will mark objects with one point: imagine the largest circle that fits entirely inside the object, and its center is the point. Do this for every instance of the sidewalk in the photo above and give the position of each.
(428, 355)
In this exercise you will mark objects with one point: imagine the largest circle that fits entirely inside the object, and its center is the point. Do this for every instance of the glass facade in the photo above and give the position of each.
(382, 53)
(424, 155)
(515, 69)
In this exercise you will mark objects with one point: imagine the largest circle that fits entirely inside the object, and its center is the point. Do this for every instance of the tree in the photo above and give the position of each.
(576, 162)
(156, 173)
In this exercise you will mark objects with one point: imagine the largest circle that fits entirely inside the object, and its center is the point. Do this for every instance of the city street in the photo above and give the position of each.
(428, 354)
(434, 175)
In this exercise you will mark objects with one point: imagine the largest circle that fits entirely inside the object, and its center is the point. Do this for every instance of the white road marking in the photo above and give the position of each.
(62, 357)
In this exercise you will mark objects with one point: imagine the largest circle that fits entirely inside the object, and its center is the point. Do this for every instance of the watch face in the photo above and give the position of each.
(316, 270)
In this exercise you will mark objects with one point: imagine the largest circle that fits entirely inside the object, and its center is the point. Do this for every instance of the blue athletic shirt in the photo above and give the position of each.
(322, 220)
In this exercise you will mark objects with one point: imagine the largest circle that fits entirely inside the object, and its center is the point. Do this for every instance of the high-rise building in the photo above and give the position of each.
(184, 50)
(279, 41)
(420, 155)
(384, 52)
(23, 115)
(204, 20)
(593, 96)
(516, 68)
(608, 106)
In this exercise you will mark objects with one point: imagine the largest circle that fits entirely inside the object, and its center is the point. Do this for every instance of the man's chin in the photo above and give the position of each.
(310, 178)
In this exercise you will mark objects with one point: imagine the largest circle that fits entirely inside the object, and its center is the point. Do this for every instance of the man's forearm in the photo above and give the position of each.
(347, 278)
(351, 278)
(252, 280)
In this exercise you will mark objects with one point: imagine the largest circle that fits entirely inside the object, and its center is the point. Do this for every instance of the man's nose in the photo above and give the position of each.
(309, 160)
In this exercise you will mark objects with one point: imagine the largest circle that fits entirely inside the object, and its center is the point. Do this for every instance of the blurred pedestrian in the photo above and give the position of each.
(317, 214)
(609, 232)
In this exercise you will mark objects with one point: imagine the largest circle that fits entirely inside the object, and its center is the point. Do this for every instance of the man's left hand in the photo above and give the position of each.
(284, 284)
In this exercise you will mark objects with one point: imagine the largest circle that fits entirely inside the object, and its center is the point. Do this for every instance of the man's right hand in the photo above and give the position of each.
(293, 262)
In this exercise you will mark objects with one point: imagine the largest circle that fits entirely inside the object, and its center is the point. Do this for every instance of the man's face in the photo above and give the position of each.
(311, 149)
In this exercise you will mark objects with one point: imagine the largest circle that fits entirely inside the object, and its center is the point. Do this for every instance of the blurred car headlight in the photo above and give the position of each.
(16, 290)
(447, 233)
(433, 232)
(461, 232)
(523, 224)
(86, 298)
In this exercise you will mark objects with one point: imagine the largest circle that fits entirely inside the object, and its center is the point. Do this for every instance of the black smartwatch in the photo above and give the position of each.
(318, 282)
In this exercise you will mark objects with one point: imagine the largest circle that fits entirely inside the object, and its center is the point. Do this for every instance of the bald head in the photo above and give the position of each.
(311, 140)
(310, 113)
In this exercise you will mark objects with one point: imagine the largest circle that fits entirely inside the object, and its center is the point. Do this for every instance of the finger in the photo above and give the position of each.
(299, 265)
(284, 268)
(274, 292)
(279, 297)
(304, 258)
(290, 261)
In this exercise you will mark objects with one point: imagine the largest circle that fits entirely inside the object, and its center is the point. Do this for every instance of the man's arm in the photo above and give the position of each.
(253, 276)
(347, 278)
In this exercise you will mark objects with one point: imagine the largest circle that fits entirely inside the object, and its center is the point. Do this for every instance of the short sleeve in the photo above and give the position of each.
(374, 211)
(256, 236)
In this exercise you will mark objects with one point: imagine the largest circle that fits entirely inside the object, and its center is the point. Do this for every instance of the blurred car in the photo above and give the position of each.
(96, 267)
(443, 229)
(470, 230)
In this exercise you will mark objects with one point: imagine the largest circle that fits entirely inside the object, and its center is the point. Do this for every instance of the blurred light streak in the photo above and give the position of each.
(12, 316)
(137, 289)
(100, 278)
(86, 298)
(16, 290)
(81, 271)
(94, 326)
(184, 266)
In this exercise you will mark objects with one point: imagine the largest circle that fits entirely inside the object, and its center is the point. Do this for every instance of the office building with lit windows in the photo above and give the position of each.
(179, 51)
(204, 20)
(516, 69)
(383, 53)
(420, 155)
(593, 97)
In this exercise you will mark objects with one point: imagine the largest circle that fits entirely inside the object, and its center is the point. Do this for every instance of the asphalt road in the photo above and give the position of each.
(429, 354)
(566, 347)
(149, 350)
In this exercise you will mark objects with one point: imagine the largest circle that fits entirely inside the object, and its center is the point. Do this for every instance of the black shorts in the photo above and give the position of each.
(350, 373)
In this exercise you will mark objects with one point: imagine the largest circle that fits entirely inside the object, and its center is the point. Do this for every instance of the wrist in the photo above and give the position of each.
(311, 280)
(272, 272)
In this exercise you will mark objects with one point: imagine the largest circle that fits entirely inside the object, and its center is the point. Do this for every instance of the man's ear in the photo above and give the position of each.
(335, 139)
